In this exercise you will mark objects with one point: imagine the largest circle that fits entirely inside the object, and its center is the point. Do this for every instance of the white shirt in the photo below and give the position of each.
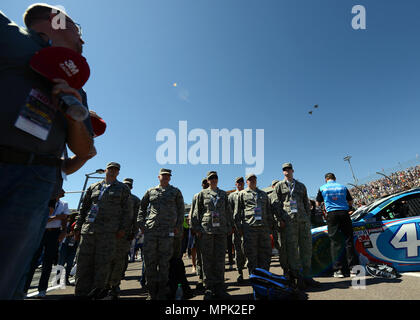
(61, 207)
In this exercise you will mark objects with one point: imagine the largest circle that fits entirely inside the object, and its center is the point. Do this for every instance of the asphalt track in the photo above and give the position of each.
(362, 287)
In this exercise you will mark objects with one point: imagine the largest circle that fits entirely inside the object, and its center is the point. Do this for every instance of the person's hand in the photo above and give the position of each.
(61, 86)
(120, 234)
(175, 231)
(282, 224)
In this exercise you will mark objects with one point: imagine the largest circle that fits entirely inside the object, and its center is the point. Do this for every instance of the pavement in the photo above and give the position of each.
(359, 288)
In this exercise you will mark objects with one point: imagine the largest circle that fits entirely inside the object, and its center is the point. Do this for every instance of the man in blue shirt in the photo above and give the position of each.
(338, 200)
(30, 151)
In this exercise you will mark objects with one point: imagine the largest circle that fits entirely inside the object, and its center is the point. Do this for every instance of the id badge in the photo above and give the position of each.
(36, 116)
(293, 206)
(93, 213)
(258, 214)
(215, 219)
(171, 234)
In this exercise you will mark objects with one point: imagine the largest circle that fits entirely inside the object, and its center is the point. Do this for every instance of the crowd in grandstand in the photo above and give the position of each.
(395, 182)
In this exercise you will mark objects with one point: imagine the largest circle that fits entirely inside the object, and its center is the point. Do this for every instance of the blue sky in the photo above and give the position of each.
(250, 65)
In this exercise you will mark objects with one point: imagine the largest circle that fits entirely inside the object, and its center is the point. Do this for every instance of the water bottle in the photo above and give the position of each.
(179, 293)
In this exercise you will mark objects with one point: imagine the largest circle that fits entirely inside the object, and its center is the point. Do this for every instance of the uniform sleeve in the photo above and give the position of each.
(136, 205)
(196, 214)
(238, 215)
(191, 210)
(126, 210)
(229, 215)
(180, 208)
(277, 205)
(141, 215)
(270, 214)
(84, 209)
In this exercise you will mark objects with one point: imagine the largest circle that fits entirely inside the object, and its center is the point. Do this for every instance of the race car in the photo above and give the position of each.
(385, 232)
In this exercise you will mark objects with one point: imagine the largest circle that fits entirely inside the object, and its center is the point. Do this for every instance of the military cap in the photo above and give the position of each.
(274, 182)
(287, 165)
(128, 180)
(165, 171)
(113, 164)
(211, 174)
(249, 176)
(239, 179)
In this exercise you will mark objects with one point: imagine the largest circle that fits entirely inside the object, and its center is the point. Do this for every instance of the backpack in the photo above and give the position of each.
(269, 286)
(382, 271)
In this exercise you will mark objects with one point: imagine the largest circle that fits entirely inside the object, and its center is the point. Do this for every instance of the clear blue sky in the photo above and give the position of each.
(250, 65)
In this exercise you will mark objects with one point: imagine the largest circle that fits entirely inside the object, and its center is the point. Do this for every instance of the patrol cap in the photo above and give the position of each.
(128, 181)
(287, 165)
(32, 12)
(165, 171)
(239, 179)
(113, 164)
(274, 182)
(211, 174)
(249, 176)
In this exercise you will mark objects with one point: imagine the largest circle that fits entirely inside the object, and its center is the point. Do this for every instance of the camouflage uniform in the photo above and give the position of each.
(298, 225)
(98, 235)
(213, 219)
(254, 219)
(279, 235)
(120, 260)
(237, 238)
(199, 264)
(166, 213)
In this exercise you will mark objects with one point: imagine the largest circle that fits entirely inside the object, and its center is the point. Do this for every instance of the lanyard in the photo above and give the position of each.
(103, 189)
(215, 200)
(291, 189)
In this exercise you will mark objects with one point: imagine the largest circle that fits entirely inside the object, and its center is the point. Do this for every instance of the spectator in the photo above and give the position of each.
(68, 248)
(29, 165)
(54, 233)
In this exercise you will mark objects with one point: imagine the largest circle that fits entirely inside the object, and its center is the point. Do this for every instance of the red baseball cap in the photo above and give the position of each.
(61, 63)
(98, 125)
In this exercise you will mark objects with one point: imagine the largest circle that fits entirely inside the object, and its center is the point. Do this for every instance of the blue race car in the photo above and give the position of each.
(387, 231)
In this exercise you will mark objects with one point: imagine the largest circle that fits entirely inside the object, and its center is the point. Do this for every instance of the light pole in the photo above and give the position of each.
(88, 176)
(347, 158)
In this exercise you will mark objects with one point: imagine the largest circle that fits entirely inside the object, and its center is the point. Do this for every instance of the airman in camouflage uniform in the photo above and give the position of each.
(199, 264)
(160, 224)
(120, 260)
(212, 221)
(279, 233)
(237, 237)
(104, 217)
(254, 220)
(294, 203)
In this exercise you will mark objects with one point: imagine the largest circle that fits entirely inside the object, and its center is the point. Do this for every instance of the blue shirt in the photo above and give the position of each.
(335, 196)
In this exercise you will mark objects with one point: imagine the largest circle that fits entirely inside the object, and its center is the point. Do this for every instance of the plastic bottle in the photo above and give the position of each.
(179, 293)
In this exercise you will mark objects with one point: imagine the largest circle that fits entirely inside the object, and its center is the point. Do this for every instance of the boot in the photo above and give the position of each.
(221, 294)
